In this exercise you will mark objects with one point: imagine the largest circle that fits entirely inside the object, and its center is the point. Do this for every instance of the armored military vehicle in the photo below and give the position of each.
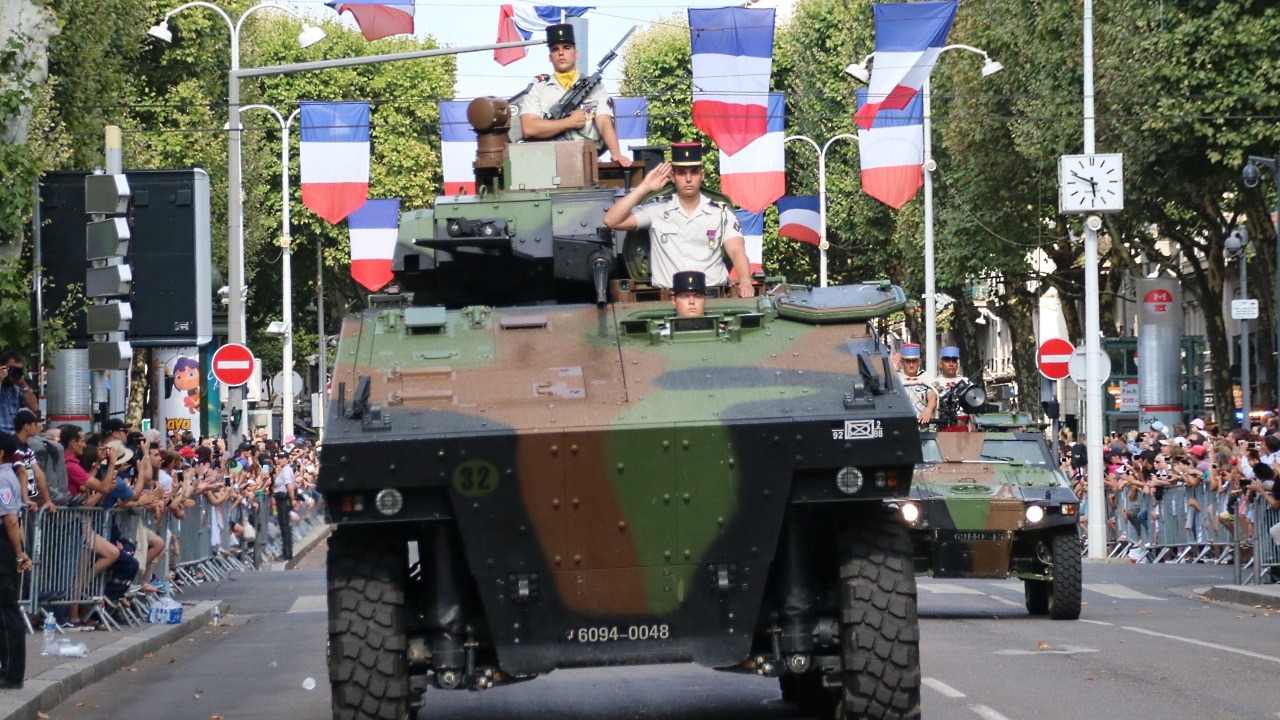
(992, 503)
(518, 488)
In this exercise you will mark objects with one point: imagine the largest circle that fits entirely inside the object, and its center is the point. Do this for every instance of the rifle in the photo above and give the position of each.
(583, 88)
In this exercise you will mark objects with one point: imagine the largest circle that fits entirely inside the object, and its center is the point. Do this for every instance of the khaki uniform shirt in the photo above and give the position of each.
(679, 242)
(918, 388)
(546, 92)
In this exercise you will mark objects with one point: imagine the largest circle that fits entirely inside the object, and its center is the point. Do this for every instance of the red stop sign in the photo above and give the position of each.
(1052, 358)
(233, 364)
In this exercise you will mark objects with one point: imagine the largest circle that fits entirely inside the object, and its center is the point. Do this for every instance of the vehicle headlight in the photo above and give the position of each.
(910, 512)
(1035, 513)
(849, 480)
(389, 501)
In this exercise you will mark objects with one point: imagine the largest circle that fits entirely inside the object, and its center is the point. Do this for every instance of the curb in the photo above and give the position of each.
(308, 543)
(54, 686)
(1244, 595)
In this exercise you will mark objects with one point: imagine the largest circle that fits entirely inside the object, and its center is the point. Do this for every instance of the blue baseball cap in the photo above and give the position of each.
(950, 351)
(910, 351)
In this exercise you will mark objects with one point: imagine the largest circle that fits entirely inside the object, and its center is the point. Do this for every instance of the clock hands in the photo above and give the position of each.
(1093, 184)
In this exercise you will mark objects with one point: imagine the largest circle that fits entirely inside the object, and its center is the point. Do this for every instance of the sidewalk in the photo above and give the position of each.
(53, 679)
(1259, 596)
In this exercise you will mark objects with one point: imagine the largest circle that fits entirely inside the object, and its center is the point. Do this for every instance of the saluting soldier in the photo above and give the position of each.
(593, 120)
(687, 229)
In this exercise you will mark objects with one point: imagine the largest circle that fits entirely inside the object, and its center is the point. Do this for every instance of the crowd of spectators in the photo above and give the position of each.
(1227, 475)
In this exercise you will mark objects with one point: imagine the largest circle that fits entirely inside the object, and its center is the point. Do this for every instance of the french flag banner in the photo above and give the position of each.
(753, 233)
(891, 152)
(378, 19)
(374, 228)
(334, 157)
(732, 62)
(800, 218)
(519, 21)
(756, 175)
(457, 148)
(909, 38)
(632, 118)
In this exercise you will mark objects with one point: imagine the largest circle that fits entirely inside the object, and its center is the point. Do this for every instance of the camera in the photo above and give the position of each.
(15, 372)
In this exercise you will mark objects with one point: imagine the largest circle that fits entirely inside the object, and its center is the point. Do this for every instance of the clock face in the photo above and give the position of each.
(1090, 184)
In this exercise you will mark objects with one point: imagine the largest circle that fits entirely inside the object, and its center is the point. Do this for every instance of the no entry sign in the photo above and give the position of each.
(233, 364)
(1053, 357)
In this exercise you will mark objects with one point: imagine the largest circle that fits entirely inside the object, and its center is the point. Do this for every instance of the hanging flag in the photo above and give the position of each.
(334, 157)
(374, 227)
(457, 148)
(732, 61)
(632, 118)
(756, 175)
(519, 21)
(753, 233)
(891, 152)
(378, 19)
(800, 218)
(909, 37)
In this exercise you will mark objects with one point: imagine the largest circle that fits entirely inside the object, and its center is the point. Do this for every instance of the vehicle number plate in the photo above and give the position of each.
(617, 633)
(979, 536)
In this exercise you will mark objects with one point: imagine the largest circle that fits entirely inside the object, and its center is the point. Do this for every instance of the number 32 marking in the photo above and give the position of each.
(475, 478)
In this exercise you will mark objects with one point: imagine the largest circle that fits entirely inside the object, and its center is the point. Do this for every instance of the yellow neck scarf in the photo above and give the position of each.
(567, 79)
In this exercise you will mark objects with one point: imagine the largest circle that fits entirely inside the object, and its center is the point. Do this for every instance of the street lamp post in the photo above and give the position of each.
(823, 245)
(1235, 247)
(236, 330)
(286, 268)
(990, 67)
(1251, 178)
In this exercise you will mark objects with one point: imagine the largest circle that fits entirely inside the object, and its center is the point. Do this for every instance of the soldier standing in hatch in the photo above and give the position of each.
(687, 229)
(592, 121)
(918, 384)
(689, 293)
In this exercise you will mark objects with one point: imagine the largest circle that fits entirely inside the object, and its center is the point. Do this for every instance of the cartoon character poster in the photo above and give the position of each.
(178, 386)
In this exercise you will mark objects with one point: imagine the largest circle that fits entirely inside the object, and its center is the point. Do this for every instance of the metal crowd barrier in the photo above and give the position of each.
(198, 548)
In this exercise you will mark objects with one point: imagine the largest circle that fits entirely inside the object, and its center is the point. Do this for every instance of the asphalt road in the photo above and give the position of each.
(1146, 648)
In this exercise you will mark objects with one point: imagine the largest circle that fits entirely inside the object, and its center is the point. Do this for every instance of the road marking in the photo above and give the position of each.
(1202, 643)
(1096, 622)
(986, 712)
(1119, 591)
(942, 687)
(1064, 650)
(1006, 601)
(309, 603)
(949, 589)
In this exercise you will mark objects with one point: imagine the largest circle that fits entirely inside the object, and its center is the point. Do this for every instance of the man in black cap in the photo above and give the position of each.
(283, 489)
(593, 120)
(689, 293)
(687, 229)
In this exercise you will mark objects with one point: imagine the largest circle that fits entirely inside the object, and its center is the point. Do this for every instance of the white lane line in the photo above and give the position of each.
(1096, 622)
(942, 687)
(949, 589)
(1120, 591)
(985, 712)
(1202, 643)
(1006, 601)
(309, 603)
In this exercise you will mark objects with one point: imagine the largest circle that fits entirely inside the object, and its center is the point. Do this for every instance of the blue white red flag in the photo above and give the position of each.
(632, 118)
(891, 152)
(374, 227)
(799, 218)
(756, 175)
(909, 37)
(519, 21)
(380, 19)
(732, 61)
(753, 233)
(334, 157)
(457, 148)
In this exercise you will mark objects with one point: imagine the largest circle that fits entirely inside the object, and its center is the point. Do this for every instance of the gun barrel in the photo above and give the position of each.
(600, 276)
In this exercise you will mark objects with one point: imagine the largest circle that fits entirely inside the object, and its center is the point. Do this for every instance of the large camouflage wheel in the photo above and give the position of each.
(879, 629)
(1059, 598)
(368, 670)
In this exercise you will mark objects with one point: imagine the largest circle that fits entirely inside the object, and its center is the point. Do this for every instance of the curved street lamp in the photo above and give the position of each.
(862, 73)
(822, 196)
(310, 35)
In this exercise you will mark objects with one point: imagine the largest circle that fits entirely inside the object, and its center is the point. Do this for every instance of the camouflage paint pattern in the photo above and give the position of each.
(973, 491)
(611, 466)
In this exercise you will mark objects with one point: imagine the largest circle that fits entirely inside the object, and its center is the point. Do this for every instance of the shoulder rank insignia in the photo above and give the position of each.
(541, 78)
(715, 203)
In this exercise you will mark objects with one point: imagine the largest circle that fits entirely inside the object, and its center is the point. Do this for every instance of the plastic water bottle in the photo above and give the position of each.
(217, 616)
(50, 635)
(65, 648)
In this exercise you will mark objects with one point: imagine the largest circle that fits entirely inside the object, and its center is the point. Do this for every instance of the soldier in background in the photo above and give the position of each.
(592, 121)
(949, 375)
(918, 384)
(687, 229)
